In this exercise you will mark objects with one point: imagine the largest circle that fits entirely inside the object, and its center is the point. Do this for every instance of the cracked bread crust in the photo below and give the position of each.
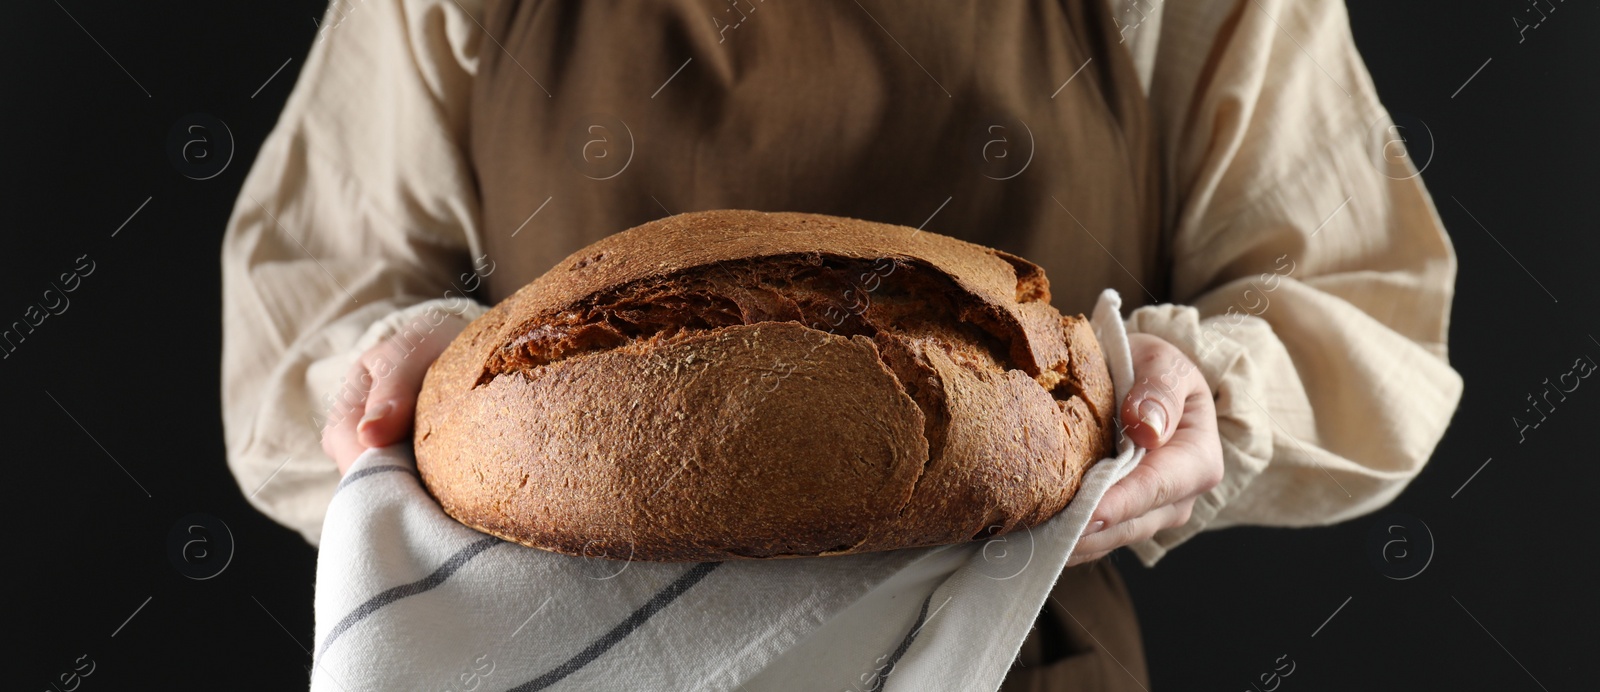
(736, 384)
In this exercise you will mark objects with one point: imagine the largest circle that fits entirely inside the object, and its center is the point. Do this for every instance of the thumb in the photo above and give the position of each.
(1154, 405)
(397, 367)
(392, 401)
(1149, 416)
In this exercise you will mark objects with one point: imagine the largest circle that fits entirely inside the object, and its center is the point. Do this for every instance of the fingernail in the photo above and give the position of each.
(374, 414)
(1094, 527)
(1154, 415)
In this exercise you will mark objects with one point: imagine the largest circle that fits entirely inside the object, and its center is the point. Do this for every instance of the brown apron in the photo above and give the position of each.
(1019, 125)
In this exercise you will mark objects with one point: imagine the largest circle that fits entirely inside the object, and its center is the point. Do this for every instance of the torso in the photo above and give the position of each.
(600, 117)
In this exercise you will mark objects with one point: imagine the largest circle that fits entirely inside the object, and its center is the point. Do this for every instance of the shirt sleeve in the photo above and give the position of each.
(358, 214)
(1311, 274)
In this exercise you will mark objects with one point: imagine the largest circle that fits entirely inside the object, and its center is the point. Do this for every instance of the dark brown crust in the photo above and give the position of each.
(669, 394)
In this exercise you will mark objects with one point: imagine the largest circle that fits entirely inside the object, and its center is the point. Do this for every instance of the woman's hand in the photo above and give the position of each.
(1169, 410)
(379, 395)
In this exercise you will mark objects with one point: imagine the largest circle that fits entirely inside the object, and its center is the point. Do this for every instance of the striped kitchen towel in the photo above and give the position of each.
(408, 598)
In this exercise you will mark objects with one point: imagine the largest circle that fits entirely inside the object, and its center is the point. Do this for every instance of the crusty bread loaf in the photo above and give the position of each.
(737, 384)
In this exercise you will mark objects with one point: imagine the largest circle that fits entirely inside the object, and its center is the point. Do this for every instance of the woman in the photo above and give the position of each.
(1213, 161)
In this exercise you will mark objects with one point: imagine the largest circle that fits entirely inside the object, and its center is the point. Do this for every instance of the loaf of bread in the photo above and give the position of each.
(736, 384)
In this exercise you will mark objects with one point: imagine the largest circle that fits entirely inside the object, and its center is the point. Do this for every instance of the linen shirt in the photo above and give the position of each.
(1331, 374)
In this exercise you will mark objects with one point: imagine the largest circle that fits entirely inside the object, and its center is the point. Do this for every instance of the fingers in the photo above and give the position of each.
(398, 367)
(1164, 380)
(1187, 465)
(1169, 411)
(392, 401)
(378, 397)
(1096, 545)
(339, 439)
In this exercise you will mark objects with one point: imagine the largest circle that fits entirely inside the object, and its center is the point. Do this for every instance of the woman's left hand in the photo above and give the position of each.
(1169, 410)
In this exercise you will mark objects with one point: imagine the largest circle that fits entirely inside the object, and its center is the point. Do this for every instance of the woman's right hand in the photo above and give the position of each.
(376, 402)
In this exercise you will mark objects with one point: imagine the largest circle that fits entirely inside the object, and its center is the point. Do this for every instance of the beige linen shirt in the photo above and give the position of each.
(1331, 374)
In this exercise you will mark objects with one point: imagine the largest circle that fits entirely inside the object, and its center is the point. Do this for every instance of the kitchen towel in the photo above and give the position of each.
(407, 598)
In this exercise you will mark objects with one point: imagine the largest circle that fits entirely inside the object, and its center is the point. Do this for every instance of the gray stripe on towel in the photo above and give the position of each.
(905, 642)
(372, 605)
(661, 600)
(370, 470)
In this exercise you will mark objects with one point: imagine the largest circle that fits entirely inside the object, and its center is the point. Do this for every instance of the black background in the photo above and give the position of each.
(128, 375)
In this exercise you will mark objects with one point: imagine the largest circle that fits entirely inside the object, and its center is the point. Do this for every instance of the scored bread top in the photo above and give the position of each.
(1014, 290)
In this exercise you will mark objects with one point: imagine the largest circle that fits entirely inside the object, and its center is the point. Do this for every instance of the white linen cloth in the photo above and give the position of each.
(407, 598)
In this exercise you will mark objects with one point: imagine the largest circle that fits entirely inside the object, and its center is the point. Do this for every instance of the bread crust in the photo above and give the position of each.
(690, 390)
